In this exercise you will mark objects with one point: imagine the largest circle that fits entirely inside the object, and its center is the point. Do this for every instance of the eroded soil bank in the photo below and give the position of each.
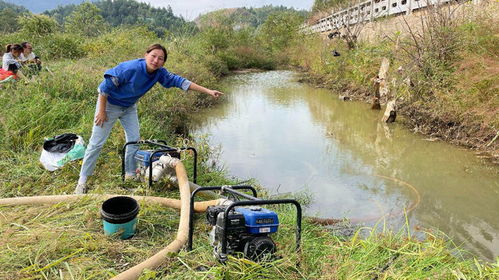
(428, 118)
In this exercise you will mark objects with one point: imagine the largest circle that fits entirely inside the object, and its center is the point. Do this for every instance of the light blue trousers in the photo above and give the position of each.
(130, 122)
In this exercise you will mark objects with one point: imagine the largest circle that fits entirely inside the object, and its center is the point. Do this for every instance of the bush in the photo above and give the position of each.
(279, 30)
(38, 25)
(51, 46)
(216, 65)
(86, 20)
(120, 44)
(240, 57)
(60, 45)
(12, 38)
(8, 20)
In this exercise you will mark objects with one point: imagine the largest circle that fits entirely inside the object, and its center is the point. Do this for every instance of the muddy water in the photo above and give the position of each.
(295, 138)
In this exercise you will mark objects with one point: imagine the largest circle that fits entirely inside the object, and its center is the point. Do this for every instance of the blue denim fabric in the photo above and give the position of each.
(130, 122)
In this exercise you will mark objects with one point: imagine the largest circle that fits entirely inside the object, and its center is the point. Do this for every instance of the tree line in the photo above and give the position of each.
(130, 12)
(244, 17)
(109, 13)
(8, 16)
(91, 19)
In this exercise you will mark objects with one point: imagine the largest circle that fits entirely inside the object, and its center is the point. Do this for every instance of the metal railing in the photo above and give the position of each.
(368, 11)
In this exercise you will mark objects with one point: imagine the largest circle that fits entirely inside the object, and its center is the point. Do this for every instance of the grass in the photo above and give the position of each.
(65, 241)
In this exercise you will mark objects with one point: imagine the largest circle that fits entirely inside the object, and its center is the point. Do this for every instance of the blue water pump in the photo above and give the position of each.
(243, 225)
(248, 230)
(146, 157)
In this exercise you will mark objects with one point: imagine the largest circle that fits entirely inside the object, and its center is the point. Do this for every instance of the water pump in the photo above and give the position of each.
(150, 162)
(248, 231)
(243, 225)
(158, 165)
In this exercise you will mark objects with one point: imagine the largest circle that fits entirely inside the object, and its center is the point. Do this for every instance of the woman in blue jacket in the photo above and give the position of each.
(119, 92)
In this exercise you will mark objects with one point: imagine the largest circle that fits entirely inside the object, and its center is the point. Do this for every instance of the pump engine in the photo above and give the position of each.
(242, 225)
(247, 230)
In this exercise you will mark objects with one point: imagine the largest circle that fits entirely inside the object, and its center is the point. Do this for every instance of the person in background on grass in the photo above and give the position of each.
(10, 62)
(29, 59)
(118, 94)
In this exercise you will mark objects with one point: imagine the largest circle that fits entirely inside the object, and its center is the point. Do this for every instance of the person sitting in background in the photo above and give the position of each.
(29, 58)
(10, 63)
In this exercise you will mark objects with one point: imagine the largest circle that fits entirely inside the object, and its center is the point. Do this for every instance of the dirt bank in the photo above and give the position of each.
(429, 119)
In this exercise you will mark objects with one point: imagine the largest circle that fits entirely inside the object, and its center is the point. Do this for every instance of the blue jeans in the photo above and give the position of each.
(130, 122)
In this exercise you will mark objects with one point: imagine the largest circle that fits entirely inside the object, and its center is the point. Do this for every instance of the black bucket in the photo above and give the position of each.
(120, 213)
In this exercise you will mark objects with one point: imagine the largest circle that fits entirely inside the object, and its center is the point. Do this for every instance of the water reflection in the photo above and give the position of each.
(292, 137)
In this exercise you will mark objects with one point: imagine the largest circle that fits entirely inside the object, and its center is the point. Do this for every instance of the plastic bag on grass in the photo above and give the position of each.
(61, 149)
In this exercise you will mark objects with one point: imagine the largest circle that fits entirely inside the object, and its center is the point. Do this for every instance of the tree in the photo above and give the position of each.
(38, 25)
(218, 38)
(8, 21)
(86, 20)
(130, 12)
(279, 30)
(60, 13)
(327, 5)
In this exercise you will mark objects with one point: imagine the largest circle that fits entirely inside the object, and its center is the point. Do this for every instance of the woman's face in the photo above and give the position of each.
(28, 49)
(155, 59)
(16, 53)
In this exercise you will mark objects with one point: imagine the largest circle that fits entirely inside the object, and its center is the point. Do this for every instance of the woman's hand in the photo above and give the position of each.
(196, 87)
(100, 118)
(215, 93)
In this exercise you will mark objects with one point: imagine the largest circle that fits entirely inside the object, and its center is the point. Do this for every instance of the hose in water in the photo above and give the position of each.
(412, 206)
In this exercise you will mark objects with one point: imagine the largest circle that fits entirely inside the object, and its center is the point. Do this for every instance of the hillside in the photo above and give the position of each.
(8, 12)
(130, 12)
(243, 17)
(13, 6)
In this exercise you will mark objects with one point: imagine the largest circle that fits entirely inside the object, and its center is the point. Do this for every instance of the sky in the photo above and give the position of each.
(190, 9)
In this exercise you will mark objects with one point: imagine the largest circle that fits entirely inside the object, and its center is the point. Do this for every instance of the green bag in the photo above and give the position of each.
(77, 152)
(60, 150)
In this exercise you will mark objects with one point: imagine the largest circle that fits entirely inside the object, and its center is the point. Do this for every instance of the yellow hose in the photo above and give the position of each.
(401, 212)
(54, 199)
(161, 256)
(416, 202)
(182, 233)
(412, 206)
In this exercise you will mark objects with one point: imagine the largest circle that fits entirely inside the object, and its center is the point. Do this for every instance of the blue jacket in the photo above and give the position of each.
(129, 80)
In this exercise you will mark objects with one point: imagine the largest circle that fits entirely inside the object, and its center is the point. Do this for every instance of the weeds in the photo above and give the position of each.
(443, 71)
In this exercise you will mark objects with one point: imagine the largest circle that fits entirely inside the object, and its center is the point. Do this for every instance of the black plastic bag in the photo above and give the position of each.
(60, 143)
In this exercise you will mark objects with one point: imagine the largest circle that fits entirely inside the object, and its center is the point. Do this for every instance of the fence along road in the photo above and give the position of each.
(368, 11)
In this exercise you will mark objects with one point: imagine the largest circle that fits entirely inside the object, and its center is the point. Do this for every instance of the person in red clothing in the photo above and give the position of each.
(10, 62)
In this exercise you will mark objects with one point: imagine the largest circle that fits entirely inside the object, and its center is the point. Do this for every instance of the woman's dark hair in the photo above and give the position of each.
(15, 47)
(157, 47)
(24, 44)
